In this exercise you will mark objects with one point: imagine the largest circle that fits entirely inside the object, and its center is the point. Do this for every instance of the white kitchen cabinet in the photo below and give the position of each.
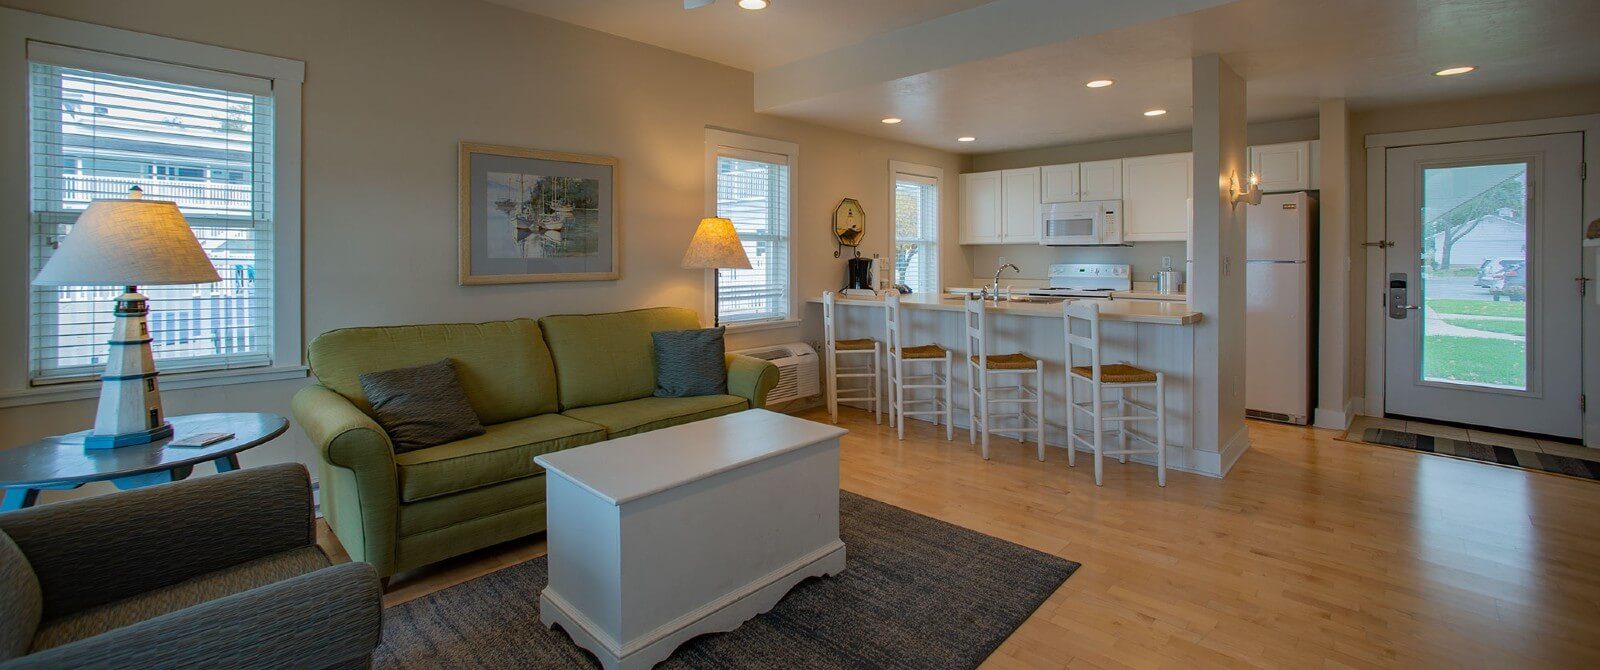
(1058, 183)
(1283, 167)
(1020, 191)
(1157, 192)
(981, 208)
(1100, 180)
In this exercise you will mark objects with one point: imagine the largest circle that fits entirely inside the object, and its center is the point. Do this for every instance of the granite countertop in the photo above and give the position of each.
(1138, 311)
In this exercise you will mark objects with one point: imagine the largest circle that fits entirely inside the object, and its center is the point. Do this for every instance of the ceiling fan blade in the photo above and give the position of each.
(693, 4)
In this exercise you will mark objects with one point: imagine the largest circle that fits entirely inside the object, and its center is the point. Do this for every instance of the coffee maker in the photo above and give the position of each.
(861, 274)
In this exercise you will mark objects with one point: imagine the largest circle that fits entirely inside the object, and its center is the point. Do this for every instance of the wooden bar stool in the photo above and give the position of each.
(938, 378)
(1119, 376)
(834, 350)
(982, 366)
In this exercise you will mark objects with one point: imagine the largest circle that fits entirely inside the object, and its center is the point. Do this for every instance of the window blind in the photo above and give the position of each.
(753, 192)
(96, 131)
(916, 232)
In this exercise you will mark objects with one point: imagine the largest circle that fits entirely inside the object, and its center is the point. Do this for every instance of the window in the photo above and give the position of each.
(916, 225)
(753, 187)
(100, 125)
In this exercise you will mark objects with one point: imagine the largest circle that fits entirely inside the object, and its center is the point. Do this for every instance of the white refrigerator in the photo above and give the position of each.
(1280, 310)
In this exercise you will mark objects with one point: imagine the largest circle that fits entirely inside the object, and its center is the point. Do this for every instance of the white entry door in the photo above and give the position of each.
(1482, 298)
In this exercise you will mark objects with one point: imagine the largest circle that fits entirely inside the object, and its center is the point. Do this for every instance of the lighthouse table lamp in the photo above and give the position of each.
(128, 243)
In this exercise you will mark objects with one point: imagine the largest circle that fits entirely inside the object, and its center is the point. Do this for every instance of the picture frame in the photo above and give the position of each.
(528, 216)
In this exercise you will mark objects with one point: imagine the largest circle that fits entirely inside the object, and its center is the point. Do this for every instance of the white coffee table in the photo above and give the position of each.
(659, 537)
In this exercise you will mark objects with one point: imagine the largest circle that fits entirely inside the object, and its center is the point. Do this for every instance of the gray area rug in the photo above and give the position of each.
(916, 593)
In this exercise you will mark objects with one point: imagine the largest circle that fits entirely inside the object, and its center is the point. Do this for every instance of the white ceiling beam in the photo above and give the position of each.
(987, 31)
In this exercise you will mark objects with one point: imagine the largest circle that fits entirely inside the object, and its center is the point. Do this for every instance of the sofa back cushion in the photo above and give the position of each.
(606, 358)
(503, 366)
(21, 601)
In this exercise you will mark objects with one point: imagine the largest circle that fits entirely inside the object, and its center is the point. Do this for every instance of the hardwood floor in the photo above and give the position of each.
(1313, 553)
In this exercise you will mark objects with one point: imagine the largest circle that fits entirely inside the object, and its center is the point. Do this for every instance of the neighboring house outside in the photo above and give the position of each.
(1493, 237)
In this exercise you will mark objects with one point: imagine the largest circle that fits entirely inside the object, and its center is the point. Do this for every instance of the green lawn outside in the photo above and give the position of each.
(1475, 360)
(1478, 307)
(1519, 328)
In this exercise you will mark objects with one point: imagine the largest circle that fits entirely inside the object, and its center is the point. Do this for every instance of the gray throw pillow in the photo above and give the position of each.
(421, 406)
(690, 363)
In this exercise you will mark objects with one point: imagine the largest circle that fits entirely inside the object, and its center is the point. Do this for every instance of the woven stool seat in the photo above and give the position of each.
(1010, 362)
(922, 351)
(854, 345)
(1116, 373)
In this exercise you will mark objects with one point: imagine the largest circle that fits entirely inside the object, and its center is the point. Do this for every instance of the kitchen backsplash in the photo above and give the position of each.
(1035, 260)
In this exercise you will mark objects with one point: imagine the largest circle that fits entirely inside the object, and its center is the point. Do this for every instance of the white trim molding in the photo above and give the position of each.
(17, 28)
(1377, 165)
(715, 138)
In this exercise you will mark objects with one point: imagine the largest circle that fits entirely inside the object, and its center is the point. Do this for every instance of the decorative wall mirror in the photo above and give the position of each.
(849, 225)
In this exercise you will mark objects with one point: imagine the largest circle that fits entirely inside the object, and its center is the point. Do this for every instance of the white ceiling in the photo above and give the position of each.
(1291, 52)
(786, 31)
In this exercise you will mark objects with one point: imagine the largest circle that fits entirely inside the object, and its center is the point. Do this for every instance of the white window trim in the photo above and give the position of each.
(722, 138)
(287, 77)
(897, 168)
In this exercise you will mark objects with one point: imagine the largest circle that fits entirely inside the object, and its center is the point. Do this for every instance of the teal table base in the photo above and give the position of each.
(66, 462)
(20, 497)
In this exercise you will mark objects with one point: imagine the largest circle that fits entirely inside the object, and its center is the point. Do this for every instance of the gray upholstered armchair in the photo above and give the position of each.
(215, 572)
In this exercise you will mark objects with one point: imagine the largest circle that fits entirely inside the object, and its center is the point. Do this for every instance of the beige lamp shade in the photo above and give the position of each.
(128, 243)
(716, 245)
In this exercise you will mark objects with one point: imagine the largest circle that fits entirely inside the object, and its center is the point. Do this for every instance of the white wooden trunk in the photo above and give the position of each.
(659, 537)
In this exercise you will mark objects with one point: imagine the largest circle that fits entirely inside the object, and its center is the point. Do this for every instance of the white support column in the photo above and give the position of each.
(1217, 284)
(1334, 333)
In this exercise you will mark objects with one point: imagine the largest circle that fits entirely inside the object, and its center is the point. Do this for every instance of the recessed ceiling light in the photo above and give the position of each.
(1155, 112)
(753, 4)
(1453, 71)
(1100, 83)
(966, 139)
(892, 120)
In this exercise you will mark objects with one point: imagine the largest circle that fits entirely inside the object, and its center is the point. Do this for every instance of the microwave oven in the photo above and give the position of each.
(1092, 222)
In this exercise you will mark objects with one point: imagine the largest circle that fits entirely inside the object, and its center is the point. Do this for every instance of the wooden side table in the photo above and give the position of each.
(61, 462)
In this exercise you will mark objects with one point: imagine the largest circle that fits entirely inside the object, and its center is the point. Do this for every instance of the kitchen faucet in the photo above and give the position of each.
(996, 285)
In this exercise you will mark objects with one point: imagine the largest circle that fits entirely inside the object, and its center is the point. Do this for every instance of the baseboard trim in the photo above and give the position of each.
(1336, 419)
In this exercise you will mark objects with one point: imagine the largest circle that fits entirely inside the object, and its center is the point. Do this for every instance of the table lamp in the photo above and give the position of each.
(128, 243)
(716, 246)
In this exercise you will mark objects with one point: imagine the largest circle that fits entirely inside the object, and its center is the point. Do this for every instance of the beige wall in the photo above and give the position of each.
(392, 86)
(1542, 104)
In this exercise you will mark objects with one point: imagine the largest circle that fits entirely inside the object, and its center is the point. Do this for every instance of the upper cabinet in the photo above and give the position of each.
(980, 208)
(1156, 197)
(1100, 180)
(1058, 183)
(1283, 167)
(1020, 191)
(1000, 207)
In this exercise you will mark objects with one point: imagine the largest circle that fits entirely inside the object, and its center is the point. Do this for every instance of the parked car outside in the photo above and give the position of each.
(1512, 282)
(1489, 272)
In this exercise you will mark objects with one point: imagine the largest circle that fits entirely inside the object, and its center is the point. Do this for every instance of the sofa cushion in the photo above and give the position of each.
(205, 588)
(606, 358)
(504, 452)
(421, 406)
(647, 414)
(503, 366)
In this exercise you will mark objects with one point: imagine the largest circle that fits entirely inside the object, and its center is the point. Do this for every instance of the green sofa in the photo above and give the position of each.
(538, 387)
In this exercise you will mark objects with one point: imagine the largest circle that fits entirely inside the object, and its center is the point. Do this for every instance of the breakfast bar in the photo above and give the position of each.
(1152, 334)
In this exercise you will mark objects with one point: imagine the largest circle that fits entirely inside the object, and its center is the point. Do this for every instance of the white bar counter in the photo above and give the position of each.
(1151, 334)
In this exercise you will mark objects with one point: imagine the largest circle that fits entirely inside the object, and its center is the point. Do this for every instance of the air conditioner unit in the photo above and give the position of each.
(797, 370)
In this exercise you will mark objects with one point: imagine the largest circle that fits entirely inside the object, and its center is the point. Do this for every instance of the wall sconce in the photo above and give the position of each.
(1249, 194)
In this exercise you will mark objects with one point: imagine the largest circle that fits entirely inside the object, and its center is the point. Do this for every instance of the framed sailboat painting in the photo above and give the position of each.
(537, 216)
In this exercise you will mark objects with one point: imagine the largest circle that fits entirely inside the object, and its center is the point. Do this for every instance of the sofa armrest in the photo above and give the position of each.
(91, 551)
(360, 488)
(317, 620)
(751, 378)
